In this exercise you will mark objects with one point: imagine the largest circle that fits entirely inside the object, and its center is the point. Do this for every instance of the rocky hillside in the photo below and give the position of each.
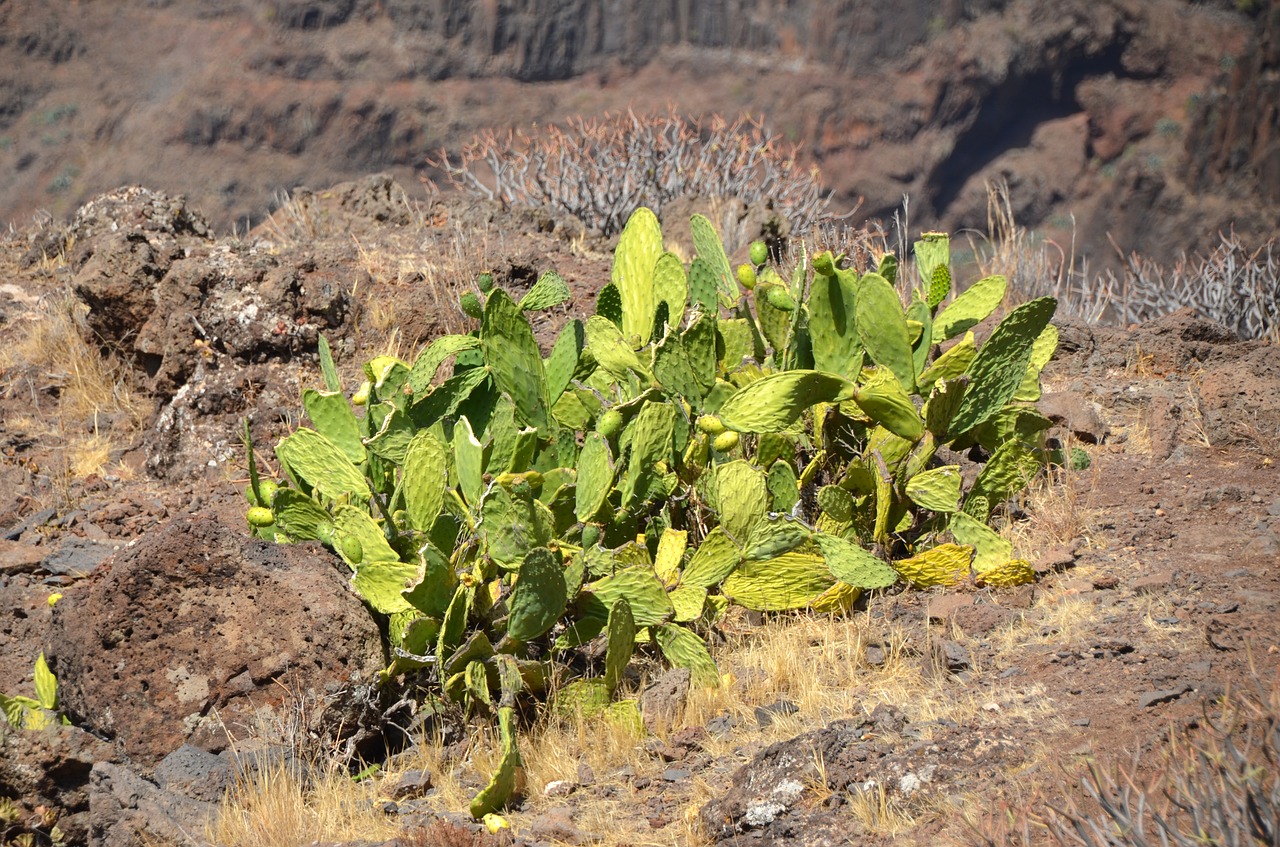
(1105, 110)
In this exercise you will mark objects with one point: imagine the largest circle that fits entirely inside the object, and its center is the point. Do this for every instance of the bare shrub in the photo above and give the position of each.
(1220, 789)
(601, 169)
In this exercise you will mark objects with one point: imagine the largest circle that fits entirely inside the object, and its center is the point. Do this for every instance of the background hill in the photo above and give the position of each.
(1154, 121)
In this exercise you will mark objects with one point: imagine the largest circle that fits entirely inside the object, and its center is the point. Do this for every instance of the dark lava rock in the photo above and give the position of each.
(200, 632)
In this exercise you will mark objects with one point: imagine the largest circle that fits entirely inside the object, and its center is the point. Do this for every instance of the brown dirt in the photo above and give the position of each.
(1160, 587)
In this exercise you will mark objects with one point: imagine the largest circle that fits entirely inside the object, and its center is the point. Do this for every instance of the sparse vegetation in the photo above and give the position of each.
(600, 169)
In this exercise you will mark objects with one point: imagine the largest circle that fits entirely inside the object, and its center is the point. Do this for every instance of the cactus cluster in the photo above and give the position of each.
(706, 438)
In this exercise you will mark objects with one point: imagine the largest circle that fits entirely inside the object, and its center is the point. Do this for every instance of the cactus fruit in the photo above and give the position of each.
(725, 442)
(780, 299)
(472, 305)
(710, 424)
(747, 276)
(361, 397)
(260, 516)
(759, 253)
(610, 423)
(485, 282)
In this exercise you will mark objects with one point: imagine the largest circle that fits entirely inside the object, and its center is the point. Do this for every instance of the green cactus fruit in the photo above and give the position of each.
(775, 402)
(999, 367)
(825, 263)
(361, 397)
(539, 597)
(350, 548)
(780, 299)
(882, 327)
(725, 442)
(260, 516)
(970, 308)
(710, 424)
(939, 286)
(485, 282)
(472, 305)
(946, 564)
(590, 535)
(267, 491)
(747, 276)
(610, 423)
(548, 292)
(759, 253)
(621, 643)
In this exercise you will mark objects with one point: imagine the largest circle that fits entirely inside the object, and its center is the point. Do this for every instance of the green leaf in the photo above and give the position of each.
(46, 684)
(777, 401)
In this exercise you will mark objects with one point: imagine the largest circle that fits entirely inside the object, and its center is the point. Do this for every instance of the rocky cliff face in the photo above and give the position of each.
(1106, 110)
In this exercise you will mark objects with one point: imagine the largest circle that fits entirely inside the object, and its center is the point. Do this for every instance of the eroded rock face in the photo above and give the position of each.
(200, 633)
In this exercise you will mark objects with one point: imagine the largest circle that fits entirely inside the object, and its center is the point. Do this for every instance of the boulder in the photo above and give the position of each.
(199, 634)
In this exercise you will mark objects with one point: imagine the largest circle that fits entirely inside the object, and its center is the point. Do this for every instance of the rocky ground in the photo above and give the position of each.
(188, 654)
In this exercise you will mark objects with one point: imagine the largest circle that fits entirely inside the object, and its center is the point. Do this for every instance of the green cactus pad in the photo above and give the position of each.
(311, 457)
(563, 361)
(937, 490)
(713, 560)
(882, 327)
(736, 343)
(425, 477)
(777, 401)
(671, 286)
(990, 550)
(1010, 574)
(1001, 364)
(883, 400)
(620, 641)
(703, 291)
(711, 251)
(1006, 473)
(612, 351)
(512, 525)
(539, 597)
(1041, 352)
(299, 517)
(784, 488)
(853, 565)
(671, 368)
(973, 306)
(650, 436)
(382, 584)
(939, 286)
(595, 476)
(503, 782)
(688, 601)
(349, 520)
(684, 649)
(448, 397)
(790, 581)
(644, 591)
(774, 536)
(946, 564)
(547, 293)
(609, 305)
(672, 545)
(699, 342)
(334, 419)
(833, 325)
(434, 591)
(742, 498)
(951, 364)
(637, 253)
(835, 502)
(514, 361)
(468, 460)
